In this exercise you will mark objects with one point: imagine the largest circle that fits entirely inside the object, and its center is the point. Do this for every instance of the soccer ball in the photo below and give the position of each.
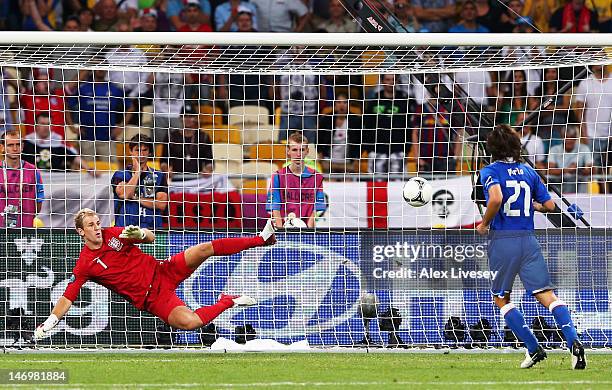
(417, 192)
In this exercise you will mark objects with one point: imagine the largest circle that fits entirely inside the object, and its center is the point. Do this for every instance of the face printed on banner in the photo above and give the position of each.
(441, 203)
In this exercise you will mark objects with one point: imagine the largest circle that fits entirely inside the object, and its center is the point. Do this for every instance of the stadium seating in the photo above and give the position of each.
(224, 134)
(259, 134)
(274, 153)
(249, 115)
(258, 185)
(230, 152)
(259, 168)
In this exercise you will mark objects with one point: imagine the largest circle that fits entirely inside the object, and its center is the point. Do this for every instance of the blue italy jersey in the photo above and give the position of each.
(520, 186)
(130, 212)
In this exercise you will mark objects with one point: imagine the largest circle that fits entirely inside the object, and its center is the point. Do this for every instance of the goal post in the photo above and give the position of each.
(219, 110)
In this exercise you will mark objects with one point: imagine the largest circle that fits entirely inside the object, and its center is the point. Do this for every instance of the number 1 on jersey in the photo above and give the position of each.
(518, 185)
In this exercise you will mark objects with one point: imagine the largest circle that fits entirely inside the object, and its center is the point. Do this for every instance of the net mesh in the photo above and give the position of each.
(219, 118)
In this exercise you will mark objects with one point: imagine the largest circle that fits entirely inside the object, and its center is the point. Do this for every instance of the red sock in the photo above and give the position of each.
(230, 246)
(209, 313)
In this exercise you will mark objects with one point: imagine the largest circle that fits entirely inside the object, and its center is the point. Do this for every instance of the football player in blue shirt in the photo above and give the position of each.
(513, 192)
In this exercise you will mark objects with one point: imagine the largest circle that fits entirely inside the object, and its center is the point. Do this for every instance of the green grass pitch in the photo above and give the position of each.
(313, 370)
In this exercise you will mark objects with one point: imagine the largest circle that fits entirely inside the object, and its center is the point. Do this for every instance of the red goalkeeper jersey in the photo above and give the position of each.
(118, 265)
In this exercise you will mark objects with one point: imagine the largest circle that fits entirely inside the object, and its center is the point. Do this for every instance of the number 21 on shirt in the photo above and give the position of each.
(518, 187)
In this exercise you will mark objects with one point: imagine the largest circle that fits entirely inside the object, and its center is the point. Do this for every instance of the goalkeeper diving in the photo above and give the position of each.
(513, 191)
(111, 258)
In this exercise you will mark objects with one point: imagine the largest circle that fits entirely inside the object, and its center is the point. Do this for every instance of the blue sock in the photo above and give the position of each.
(515, 321)
(563, 319)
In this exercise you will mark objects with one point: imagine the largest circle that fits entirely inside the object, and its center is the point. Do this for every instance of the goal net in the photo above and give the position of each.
(221, 113)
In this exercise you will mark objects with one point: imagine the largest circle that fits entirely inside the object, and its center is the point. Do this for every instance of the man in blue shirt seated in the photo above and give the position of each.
(141, 192)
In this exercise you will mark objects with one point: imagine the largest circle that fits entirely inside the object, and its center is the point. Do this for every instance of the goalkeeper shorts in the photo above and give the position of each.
(162, 298)
(522, 256)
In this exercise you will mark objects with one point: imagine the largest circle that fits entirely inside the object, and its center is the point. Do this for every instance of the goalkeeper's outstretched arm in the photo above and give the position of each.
(59, 310)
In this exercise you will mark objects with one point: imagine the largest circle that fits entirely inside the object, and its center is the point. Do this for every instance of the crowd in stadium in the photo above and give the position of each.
(497, 16)
(389, 124)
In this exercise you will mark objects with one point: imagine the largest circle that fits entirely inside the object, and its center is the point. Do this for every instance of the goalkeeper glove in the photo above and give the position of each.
(133, 232)
(43, 329)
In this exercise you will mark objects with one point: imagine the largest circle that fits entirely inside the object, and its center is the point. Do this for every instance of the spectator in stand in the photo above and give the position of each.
(21, 188)
(141, 192)
(42, 8)
(435, 15)
(6, 111)
(512, 98)
(188, 150)
(603, 8)
(168, 101)
(148, 20)
(404, 14)
(244, 20)
(468, 22)
(176, 12)
(42, 24)
(46, 150)
(488, 15)
(188, 153)
(107, 16)
(534, 146)
(510, 17)
(11, 18)
(540, 11)
(42, 99)
(478, 85)
(558, 112)
(385, 136)
(299, 95)
(86, 18)
(571, 164)
(100, 106)
(72, 23)
(192, 15)
(281, 16)
(227, 12)
(126, 9)
(574, 17)
(296, 190)
(432, 138)
(593, 107)
(338, 137)
(338, 21)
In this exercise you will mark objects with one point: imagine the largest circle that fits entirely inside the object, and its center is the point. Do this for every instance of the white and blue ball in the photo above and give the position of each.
(417, 192)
